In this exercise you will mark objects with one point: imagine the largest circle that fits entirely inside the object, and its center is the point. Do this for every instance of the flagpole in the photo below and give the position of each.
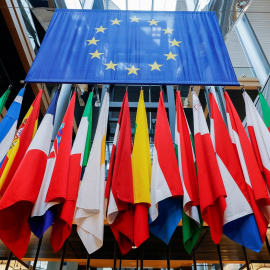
(194, 259)
(267, 244)
(120, 261)
(37, 252)
(137, 260)
(114, 256)
(9, 259)
(141, 256)
(63, 256)
(219, 257)
(246, 258)
(168, 257)
(88, 261)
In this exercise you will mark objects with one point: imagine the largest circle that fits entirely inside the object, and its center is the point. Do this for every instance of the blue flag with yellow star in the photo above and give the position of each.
(138, 47)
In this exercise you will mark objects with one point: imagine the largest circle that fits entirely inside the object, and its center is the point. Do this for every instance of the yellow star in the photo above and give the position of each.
(135, 19)
(170, 56)
(155, 66)
(175, 43)
(110, 65)
(115, 21)
(92, 41)
(168, 31)
(100, 29)
(153, 22)
(132, 70)
(95, 54)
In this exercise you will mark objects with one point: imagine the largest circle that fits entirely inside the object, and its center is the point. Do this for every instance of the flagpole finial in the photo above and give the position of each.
(192, 88)
(10, 87)
(223, 89)
(141, 87)
(177, 87)
(243, 89)
(161, 88)
(126, 87)
(42, 86)
(259, 89)
(93, 88)
(25, 85)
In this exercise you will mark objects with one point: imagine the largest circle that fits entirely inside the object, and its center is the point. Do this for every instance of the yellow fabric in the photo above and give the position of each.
(102, 159)
(141, 159)
(15, 146)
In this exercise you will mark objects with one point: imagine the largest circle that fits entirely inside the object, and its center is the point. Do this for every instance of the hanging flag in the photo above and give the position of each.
(166, 187)
(62, 225)
(239, 222)
(141, 171)
(54, 183)
(89, 116)
(260, 138)
(100, 55)
(3, 99)
(119, 187)
(254, 181)
(21, 194)
(20, 143)
(89, 215)
(191, 222)
(265, 110)
(211, 189)
(8, 126)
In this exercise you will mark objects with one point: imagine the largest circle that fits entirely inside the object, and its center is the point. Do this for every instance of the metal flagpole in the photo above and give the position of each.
(168, 257)
(194, 259)
(246, 258)
(114, 255)
(219, 257)
(141, 256)
(88, 261)
(63, 256)
(37, 253)
(9, 259)
(137, 260)
(267, 244)
(120, 261)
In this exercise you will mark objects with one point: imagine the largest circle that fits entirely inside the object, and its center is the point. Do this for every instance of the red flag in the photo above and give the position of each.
(211, 188)
(119, 187)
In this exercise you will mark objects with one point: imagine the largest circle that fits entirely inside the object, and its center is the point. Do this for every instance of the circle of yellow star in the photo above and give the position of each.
(115, 21)
(100, 29)
(170, 56)
(155, 66)
(92, 41)
(153, 22)
(168, 31)
(95, 54)
(110, 65)
(135, 19)
(132, 70)
(175, 42)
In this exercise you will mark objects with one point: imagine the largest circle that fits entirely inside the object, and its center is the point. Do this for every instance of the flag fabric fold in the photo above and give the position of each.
(265, 111)
(20, 196)
(191, 222)
(166, 186)
(89, 215)
(254, 181)
(211, 188)
(20, 143)
(260, 137)
(54, 184)
(8, 126)
(141, 171)
(3, 99)
(119, 187)
(239, 222)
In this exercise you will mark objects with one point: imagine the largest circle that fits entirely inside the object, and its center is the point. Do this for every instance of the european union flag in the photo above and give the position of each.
(138, 47)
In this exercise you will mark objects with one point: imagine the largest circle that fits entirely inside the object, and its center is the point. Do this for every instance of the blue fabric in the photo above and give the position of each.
(52, 107)
(169, 215)
(245, 232)
(200, 59)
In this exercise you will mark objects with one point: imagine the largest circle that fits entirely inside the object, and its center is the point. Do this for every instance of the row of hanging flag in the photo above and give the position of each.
(225, 182)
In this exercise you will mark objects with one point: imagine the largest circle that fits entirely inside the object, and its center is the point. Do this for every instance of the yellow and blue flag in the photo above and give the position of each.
(142, 47)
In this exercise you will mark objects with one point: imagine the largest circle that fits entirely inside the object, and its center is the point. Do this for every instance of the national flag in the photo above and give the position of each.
(265, 111)
(239, 222)
(54, 184)
(191, 222)
(141, 171)
(89, 116)
(211, 188)
(254, 181)
(260, 137)
(20, 143)
(9, 124)
(89, 215)
(120, 46)
(62, 225)
(20, 196)
(166, 188)
(3, 99)
(119, 187)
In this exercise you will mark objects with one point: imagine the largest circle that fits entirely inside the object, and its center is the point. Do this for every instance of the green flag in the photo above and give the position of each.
(3, 99)
(88, 111)
(265, 111)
